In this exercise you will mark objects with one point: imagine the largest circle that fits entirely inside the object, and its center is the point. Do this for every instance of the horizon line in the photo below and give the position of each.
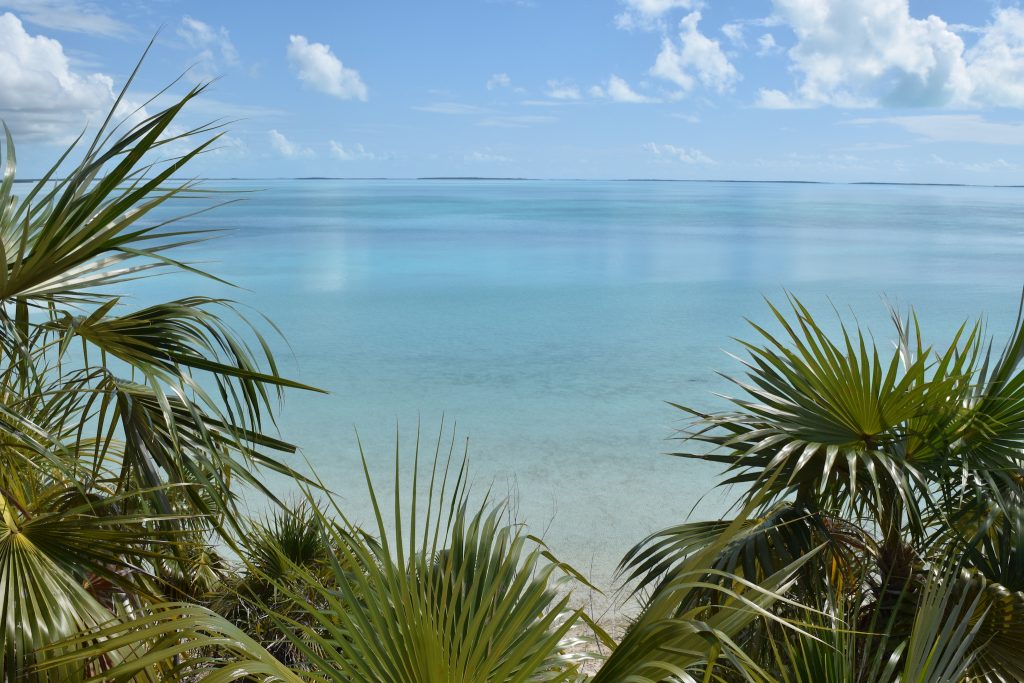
(593, 180)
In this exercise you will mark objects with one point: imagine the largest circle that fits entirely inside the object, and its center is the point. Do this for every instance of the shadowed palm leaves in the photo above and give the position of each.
(289, 560)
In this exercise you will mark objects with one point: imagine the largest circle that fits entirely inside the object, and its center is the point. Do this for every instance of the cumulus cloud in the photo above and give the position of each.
(686, 155)
(321, 70)
(646, 14)
(696, 58)
(855, 53)
(864, 53)
(618, 90)
(873, 52)
(41, 97)
(286, 147)
(563, 90)
(769, 98)
(499, 81)
(847, 53)
(995, 65)
(68, 15)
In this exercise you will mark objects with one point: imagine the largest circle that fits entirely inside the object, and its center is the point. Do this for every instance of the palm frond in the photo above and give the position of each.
(450, 594)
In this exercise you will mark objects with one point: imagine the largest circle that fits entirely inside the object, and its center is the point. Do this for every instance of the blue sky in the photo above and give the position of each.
(839, 90)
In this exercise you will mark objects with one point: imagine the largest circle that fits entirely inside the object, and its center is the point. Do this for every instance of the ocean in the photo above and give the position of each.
(551, 322)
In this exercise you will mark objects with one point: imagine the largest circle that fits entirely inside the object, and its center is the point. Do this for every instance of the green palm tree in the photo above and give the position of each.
(883, 469)
(879, 535)
(124, 434)
(444, 591)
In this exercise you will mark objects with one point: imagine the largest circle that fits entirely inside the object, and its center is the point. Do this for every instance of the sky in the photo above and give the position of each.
(832, 90)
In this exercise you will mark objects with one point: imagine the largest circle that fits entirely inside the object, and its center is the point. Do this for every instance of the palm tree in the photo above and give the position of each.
(880, 471)
(445, 592)
(878, 536)
(124, 434)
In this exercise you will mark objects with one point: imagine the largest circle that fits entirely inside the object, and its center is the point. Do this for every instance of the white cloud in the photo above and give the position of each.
(966, 28)
(686, 155)
(696, 58)
(41, 97)
(486, 157)
(202, 36)
(321, 70)
(214, 46)
(954, 128)
(769, 98)
(286, 147)
(618, 90)
(995, 64)
(855, 53)
(355, 153)
(862, 53)
(499, 81)
(734, 32)
(766, 45)
(645, 14)
(68, 15)
(563, 90)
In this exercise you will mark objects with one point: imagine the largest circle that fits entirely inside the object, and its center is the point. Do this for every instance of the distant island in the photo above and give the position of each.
(469, 177)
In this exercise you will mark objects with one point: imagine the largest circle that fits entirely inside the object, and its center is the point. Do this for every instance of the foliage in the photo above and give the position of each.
(124, 434)
(878, 535)
(454, 593)
(897, 475)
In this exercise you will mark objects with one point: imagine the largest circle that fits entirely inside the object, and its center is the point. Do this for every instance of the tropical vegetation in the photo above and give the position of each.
(878, 534)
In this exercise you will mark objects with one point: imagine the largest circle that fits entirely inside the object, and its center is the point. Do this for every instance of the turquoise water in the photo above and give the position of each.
(552, 319)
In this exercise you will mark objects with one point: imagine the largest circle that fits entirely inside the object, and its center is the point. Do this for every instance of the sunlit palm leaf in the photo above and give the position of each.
(849, 430)
(174, 642)
(453, 595)
(120, 431)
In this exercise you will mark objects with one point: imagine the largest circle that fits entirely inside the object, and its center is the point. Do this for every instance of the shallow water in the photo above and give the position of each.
(553, 319)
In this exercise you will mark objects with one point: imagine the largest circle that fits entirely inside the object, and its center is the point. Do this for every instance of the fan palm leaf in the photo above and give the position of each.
(121, 431)
(447, 593)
